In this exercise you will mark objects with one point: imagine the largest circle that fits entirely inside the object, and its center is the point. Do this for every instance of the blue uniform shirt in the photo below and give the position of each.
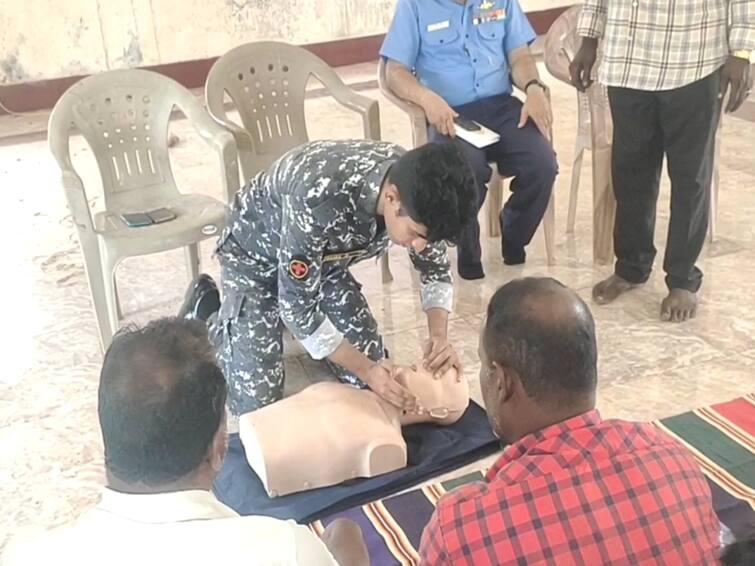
(458, 50)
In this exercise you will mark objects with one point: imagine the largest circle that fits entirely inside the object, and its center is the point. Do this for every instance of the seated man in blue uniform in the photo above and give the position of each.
(460, 58)
(292, 234)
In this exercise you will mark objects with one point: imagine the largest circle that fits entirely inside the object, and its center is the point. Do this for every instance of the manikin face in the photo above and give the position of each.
(439, 398)
(401, 229)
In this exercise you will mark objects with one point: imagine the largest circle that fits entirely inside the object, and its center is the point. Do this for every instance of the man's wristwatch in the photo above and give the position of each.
(537, 82)
(746, 54)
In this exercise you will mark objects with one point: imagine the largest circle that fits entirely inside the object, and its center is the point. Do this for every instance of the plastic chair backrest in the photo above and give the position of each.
(562, 44)
(123, 115)
(266, 83)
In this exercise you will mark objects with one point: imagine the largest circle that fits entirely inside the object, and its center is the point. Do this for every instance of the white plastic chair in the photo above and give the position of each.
(594, 132)
(123, 116)
(494, 200)
(266, 82)
(581, 144)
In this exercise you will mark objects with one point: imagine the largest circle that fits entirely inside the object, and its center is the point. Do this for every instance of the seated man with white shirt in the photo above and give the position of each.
(162, 413)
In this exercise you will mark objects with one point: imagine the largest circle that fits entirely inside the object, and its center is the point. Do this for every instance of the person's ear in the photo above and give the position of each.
(504, 382)
(218, 447)
(392, 195)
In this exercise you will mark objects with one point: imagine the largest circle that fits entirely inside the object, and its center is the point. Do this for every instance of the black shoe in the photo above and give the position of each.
(512, 255)
(202, 299)
(470, 272)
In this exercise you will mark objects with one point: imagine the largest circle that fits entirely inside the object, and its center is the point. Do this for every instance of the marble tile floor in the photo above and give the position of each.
(51, 462)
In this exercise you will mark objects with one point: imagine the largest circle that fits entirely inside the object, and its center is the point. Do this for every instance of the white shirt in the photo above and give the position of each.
(182, 528)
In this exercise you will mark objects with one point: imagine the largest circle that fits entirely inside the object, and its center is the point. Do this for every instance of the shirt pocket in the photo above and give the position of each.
(439, 41)
(491, 36)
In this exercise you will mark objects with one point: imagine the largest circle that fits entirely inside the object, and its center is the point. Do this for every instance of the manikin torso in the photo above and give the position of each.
(330, 432)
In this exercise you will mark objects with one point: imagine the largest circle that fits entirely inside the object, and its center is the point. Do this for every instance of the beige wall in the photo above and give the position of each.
(43, 39)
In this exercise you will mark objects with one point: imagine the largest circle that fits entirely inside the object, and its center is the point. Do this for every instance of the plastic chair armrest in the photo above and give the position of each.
(362, 105)
(416, 114)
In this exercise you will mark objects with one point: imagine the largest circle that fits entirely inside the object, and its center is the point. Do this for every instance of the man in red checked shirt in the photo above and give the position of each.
(571, 489)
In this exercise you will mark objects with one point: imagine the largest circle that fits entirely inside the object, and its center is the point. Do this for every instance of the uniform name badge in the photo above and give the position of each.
(491, 16)
(439, 26)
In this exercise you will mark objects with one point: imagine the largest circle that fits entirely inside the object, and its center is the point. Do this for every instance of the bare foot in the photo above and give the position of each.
(680, 305)
(610, 289)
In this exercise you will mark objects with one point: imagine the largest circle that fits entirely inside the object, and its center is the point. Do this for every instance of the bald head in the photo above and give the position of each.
(545, 333)
(161, 401)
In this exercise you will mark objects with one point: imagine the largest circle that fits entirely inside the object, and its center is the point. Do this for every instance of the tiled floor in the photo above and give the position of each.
(51, 463)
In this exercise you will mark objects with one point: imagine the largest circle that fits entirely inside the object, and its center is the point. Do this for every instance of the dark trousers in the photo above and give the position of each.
(682, 124)
(522, 153)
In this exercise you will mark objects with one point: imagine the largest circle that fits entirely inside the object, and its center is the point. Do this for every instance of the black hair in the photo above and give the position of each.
(740, 553)
(533, 328)
(161, 398)
(437, 189)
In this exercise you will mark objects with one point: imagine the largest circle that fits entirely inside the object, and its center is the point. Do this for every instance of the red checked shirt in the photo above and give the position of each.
(582, 492)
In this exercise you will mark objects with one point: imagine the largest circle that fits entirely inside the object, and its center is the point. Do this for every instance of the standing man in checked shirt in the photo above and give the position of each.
(667, 65)
(292, 235)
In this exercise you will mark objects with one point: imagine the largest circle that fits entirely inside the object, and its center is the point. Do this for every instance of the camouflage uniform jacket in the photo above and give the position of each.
(312, 210)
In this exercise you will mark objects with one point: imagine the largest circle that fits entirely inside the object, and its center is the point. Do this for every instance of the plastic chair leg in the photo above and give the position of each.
(713, 206)
(549, 229)
(118, 308)
(385, 269)
(96, 277)
(494, 203)
(574, 191)
(192, 260)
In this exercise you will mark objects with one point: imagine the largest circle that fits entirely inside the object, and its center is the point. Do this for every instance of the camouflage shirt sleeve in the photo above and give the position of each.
(299, 269)
(435, 274)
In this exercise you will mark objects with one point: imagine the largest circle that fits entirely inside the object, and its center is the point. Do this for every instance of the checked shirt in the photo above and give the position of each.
(582, 492)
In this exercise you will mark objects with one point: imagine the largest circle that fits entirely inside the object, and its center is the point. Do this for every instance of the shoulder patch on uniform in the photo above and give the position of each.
(298, 267)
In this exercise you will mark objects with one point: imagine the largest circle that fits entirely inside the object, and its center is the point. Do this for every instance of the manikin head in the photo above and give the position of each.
(162, 408)
(427, 196)
(538, 357)
(442, 400)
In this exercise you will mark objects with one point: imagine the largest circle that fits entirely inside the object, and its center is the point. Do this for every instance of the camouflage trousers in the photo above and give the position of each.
(248, 331)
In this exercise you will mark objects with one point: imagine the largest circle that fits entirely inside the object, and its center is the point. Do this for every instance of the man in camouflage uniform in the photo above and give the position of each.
(293, 233)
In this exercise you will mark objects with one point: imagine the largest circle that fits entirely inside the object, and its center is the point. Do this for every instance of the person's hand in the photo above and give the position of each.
(381, 378)
(439, 356)
(736, 74)
(538, 108)
(439, 113)
(580, 68)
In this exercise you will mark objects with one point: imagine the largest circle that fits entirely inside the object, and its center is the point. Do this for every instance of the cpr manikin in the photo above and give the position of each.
(331, 432)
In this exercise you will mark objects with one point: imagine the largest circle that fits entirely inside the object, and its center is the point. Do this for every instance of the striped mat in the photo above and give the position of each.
(721, 437)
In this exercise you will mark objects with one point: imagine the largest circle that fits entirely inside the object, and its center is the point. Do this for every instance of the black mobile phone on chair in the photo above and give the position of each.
(160, 215)
(136, 219)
